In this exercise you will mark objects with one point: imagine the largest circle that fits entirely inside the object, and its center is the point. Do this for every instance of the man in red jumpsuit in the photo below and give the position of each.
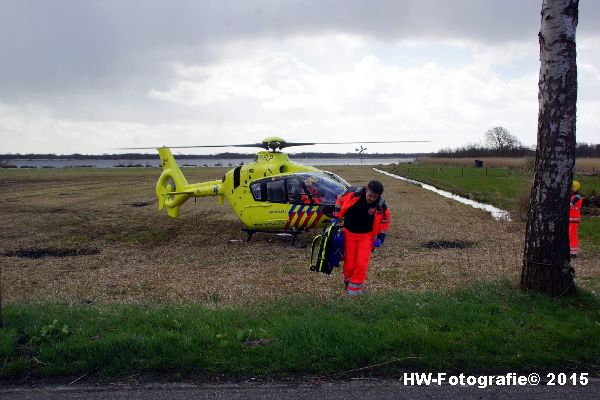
(366, 221)
(574, 219)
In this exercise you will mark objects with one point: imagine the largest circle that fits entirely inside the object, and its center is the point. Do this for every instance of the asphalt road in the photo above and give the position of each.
(342, 390)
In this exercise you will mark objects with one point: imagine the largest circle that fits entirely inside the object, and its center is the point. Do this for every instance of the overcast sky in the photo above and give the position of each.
(89, 76)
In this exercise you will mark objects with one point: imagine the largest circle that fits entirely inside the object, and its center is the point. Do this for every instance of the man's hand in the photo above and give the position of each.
(380, 239)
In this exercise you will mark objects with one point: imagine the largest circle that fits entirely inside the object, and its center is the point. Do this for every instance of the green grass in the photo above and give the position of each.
(502, 187)
(589, 231)
(497, 186)
(491, 327)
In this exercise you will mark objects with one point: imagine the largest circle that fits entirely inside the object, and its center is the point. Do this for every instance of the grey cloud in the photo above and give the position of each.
(64, 45)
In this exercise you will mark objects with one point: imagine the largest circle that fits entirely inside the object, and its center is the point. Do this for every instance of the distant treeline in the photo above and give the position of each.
(587, 150)
(124, 156)
(476, 150)
(226, 156)
(468, 151)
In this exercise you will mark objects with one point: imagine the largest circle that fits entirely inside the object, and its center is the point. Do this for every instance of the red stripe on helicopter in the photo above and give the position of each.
(309, 215)
(291, 215)
(320, 214)
(300, 215)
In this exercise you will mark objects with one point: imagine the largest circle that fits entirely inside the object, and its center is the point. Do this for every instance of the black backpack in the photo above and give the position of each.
(330, 249)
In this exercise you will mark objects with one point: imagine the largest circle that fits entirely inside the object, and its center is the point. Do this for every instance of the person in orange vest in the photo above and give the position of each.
(366, 221)
(574, 219)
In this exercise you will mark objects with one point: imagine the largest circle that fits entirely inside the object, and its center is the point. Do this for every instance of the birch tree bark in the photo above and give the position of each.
(546, 263)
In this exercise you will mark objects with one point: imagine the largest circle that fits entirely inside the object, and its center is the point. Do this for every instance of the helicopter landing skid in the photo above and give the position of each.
(293, 235)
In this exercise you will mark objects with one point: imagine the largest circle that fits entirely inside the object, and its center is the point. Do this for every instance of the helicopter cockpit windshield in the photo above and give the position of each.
(337, 178)
(322, 188)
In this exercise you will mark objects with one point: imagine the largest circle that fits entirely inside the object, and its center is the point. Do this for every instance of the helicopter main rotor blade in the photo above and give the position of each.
(261, 145)
(290, 144)
(273, 143)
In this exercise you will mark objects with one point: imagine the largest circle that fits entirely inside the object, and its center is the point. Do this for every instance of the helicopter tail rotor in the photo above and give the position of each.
(170, 185)
(172, 189)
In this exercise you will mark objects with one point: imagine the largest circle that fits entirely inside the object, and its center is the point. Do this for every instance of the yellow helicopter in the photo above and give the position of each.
(271, 194)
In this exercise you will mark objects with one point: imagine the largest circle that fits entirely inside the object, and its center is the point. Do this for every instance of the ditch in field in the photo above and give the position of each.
(497, 213)
(50, 252)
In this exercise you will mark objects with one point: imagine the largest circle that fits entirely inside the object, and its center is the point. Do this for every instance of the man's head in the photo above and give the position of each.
(374, 191)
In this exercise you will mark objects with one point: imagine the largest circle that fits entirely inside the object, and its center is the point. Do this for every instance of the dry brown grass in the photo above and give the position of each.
(588, 165)
(582, 165)
(146, 257)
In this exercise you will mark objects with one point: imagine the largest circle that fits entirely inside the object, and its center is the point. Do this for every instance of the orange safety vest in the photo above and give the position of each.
(575, 208)
(381, 222)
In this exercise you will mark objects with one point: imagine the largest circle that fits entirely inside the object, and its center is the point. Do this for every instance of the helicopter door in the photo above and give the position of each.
(276, 191)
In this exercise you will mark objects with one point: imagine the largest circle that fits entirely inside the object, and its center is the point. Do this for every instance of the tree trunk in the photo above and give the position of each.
(546, 264)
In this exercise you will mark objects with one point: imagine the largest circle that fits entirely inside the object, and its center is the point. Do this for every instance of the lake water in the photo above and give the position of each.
(195, 162)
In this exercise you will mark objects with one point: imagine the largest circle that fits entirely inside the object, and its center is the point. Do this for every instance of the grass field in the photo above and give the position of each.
(88, 248)
(143, 256)
(503, 187)
(487, 328)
